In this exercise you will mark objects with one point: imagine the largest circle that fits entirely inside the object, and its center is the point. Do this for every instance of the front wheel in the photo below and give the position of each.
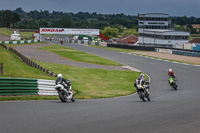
(73, 99)
(148, 98)
(174, 86)
(63, 96)
(141, 94)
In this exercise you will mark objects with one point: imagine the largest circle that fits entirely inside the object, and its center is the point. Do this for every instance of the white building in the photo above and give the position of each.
(156, 29)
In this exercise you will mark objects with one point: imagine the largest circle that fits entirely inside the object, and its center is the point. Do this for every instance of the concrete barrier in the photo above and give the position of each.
(168, 51)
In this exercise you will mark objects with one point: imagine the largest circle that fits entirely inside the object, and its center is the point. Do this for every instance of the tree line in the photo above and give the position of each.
(8, 18)
(36, 19)
(121, 23)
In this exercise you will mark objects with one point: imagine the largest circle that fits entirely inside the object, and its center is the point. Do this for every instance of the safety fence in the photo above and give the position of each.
(22, 86)
(89, 42)
(28, 61)
(145, 48)
(186, 53)
(86, 42)
(179, 52)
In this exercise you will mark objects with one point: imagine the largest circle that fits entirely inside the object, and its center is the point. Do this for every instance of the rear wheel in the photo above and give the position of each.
(63, 96)
(73, 99)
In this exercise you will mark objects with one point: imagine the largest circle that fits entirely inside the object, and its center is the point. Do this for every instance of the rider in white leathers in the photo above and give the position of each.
(141, 81)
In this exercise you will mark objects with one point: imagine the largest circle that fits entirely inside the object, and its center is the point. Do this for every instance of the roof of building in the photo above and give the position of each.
(128, 36)
(196, 25)
(195, 40)
(121, 42)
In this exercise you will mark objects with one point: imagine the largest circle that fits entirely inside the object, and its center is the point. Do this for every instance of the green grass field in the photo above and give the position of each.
(80, 56)
(6, 31)
(96, 83)
(27, 34)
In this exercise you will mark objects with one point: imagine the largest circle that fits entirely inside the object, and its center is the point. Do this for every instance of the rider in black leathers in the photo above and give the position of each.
(141, 81)
(61, 80)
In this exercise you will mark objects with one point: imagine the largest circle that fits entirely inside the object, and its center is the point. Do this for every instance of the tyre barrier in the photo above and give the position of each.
(46, 87)
(23, 86)
(19, 42)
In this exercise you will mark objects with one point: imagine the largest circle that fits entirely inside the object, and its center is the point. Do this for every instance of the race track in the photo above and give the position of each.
(169, 111)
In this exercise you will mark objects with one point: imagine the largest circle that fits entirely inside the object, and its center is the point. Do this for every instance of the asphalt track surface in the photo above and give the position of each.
(169, 111)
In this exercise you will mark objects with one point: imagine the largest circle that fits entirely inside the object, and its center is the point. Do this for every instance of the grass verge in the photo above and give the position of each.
(80, 56)
(14, 67)
(31, 97)
(96, 83)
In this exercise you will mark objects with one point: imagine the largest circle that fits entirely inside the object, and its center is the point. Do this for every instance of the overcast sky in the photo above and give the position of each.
(128, 7)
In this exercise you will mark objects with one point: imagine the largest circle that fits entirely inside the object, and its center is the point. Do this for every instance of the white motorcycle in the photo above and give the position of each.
(143, 92)
(65, 95)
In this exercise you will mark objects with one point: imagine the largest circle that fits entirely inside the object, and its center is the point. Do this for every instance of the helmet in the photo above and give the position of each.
(59, 75)
(142, 75)
(170, 70)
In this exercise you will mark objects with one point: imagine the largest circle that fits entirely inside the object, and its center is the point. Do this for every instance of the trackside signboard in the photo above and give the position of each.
(69, 31)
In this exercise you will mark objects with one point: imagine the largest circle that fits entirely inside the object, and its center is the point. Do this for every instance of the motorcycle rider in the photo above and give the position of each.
(61, 80)
(141, 81)
(171, 73)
